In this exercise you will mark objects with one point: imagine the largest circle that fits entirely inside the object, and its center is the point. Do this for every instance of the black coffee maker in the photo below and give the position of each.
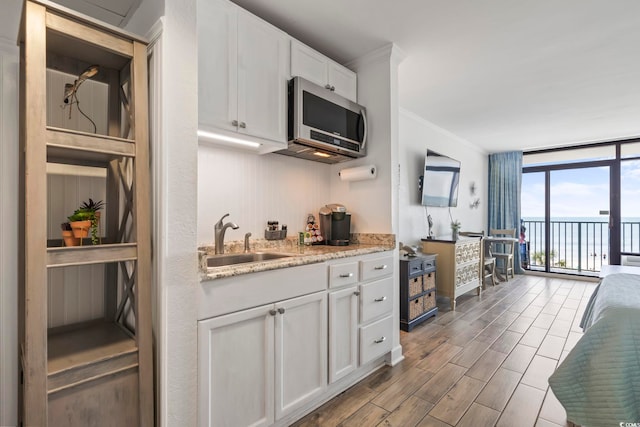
(335, 224)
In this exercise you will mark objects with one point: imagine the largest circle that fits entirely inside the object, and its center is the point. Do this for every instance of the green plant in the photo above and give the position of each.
(455, 226)
(91, 205)
(539, 258)
(88, 211)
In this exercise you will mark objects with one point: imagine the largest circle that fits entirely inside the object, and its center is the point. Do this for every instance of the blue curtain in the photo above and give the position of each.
(505, 181)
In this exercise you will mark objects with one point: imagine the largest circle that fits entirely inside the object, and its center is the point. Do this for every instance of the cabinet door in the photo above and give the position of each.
(301, 351)
(217, 65)
(308, 64)
(263, 69)
(343, 80)
(236, 369)
(343, 333)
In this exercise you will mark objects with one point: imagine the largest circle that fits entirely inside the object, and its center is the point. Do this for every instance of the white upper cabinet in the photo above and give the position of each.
(243, 67)
(317, 68)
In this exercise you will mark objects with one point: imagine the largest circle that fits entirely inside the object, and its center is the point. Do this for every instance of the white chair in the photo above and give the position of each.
(504, 250)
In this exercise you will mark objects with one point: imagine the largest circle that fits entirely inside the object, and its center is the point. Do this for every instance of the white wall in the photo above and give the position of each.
(256, 188)
(371, 202)
(174, 150)
(9, 61)
(416, 136)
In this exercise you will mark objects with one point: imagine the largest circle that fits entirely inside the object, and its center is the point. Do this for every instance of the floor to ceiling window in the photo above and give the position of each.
(581, 207)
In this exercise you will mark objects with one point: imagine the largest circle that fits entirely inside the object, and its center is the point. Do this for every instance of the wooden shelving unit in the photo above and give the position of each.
(98, 372)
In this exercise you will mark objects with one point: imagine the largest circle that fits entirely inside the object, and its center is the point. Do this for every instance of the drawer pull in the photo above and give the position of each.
(357, 293)
(379, 340)
(281, 310)
(380, 267)
(272, 312)
(345, 275)
(380, 299)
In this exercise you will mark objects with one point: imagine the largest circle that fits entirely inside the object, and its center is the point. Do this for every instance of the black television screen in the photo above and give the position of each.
(441, 179)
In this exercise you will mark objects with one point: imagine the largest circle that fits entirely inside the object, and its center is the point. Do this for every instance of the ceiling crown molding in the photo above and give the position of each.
(389, 52)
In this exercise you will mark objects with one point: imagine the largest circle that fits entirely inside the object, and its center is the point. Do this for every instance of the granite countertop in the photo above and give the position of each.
(361, 244)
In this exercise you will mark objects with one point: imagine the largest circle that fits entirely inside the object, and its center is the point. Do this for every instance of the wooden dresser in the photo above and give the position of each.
(458, 265)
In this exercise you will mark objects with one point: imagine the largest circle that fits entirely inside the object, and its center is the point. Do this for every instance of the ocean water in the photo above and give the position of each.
(579, 243)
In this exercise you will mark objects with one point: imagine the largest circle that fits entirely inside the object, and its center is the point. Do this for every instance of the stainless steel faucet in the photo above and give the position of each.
(247, 249)
(219, 231)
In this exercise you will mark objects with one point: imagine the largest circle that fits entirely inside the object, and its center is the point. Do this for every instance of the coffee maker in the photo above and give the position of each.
(335, 224)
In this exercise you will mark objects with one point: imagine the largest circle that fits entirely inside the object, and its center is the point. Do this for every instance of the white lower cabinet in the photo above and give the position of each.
(260, 364)
(301, 351)
(343, 336)
(360, 317)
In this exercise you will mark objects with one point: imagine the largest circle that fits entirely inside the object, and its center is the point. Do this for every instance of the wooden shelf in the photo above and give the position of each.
(87, 352)
(75, 147)
(90, 373)
(91, 254)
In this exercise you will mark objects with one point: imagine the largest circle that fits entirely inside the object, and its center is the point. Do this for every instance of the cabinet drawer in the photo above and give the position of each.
(429, 281)
(343, 274)
(376, 267)
(429, 300)
(376, 299)
(428, 263)
(375, 339)
(415, 267)
(416, 307)
(467, 273)
(415, 285)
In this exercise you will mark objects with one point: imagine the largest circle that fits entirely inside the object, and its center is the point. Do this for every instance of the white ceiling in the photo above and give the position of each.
(114, 12)
(502, 74)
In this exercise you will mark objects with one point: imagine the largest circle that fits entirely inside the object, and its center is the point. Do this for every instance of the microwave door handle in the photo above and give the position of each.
(364, 120)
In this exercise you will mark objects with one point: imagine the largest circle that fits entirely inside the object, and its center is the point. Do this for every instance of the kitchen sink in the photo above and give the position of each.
(232, 259)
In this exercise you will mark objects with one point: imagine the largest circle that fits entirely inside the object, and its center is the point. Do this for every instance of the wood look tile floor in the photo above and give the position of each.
(485, 364)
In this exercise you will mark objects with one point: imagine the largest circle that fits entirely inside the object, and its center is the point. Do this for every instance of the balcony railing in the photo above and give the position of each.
(577, 246)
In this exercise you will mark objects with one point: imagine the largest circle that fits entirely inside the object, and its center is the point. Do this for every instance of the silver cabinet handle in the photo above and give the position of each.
(243, 125)
(281, 310)
(327, 86)
(357, 293)
(380, 267)
(272, 312)
(333, 89)
(380, 299)
(379, 340)
(345, 275)
(234, 122)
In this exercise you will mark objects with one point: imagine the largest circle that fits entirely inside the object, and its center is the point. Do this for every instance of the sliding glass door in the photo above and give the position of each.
(579, 219)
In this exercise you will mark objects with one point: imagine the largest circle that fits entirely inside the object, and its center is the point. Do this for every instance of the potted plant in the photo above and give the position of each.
(455, 228)
(86, 218)
(67, 235)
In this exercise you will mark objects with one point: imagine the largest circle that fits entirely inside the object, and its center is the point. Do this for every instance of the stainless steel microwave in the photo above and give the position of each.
(322, 125)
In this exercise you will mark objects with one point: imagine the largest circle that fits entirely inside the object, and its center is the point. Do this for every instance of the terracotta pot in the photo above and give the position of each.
(81, 228)
(69, 240)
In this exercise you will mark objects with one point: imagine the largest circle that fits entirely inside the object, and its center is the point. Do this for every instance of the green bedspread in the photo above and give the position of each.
(598, 383)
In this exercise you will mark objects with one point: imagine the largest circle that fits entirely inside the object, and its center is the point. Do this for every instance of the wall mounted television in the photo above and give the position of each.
(441, 180)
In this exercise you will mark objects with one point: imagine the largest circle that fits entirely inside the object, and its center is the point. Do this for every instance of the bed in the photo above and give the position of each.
(598, 383)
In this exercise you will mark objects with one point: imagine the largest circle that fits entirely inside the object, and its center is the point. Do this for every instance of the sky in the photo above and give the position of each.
(581, 192)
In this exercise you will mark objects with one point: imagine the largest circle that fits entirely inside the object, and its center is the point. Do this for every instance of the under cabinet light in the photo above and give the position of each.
(217, 137)
(321, 154)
